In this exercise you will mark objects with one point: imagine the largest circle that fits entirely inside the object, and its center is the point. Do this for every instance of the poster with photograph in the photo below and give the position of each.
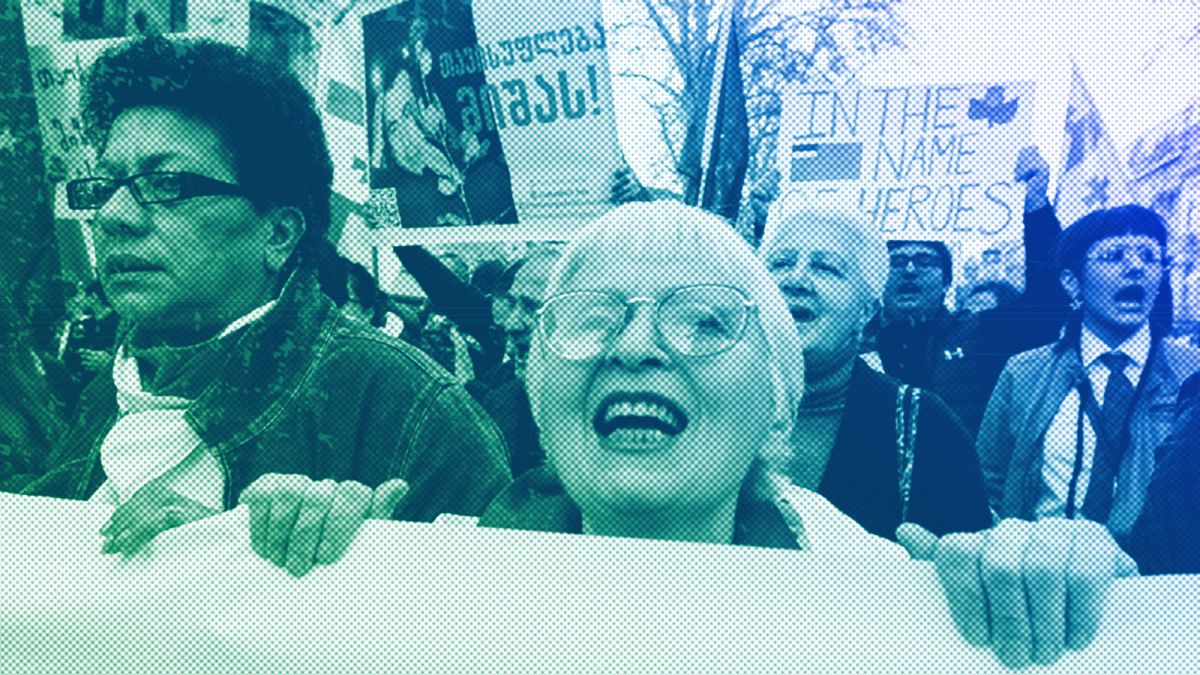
(475, 118)
(66, 36)
(101, 19)
(428, 168)
(920, 161)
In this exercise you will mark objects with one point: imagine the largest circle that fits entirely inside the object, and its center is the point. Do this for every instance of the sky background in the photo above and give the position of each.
(1137, 59)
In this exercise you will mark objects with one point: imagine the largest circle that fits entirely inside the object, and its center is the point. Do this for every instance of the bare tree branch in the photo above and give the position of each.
(678, 51)
(675, 95)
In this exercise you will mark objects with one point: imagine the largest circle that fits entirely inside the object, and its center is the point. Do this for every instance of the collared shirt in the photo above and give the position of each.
(152, 438)
(1091, 348)
(1059, 445)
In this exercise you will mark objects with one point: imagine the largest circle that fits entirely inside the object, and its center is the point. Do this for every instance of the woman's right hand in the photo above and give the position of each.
(296, 522)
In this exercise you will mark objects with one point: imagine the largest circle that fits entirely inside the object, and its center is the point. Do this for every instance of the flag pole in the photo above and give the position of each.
(714, 99)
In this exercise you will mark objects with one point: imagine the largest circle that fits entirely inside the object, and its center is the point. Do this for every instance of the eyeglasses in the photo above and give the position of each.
(1119, 256)
(701, 320)
(155, 187)
(920, 261)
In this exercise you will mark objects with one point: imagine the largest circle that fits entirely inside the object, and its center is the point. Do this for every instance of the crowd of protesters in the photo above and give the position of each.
(654, 378)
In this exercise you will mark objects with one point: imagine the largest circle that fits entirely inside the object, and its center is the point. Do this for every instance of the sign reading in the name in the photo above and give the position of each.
(928, 161)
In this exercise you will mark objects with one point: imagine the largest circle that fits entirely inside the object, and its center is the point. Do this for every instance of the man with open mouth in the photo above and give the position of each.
(959, 355)
(830, 269)
(1073, 428)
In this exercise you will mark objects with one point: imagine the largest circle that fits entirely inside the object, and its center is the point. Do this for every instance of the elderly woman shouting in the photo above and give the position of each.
(664, 378)
(665, 374)
(881, 452)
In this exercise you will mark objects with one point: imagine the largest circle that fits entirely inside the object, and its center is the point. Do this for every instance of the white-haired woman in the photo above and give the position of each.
(664, 377)
(664, 374)
(900, 463)
(883, 453)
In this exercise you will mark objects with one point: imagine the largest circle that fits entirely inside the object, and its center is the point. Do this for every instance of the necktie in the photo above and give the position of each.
(1118, 393)
(1110, 441)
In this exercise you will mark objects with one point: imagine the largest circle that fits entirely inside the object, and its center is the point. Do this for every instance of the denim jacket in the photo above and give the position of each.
(308, 391)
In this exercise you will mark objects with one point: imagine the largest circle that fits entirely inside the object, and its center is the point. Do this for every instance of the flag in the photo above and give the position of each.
(719, 188)
(826, 161)
(1093, 176)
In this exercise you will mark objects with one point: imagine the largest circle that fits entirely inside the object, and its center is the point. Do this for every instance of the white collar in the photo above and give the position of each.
(1137, 347)
(128, 378)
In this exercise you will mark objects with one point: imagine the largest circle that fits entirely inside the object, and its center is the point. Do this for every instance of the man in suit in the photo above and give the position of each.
(1072, 428)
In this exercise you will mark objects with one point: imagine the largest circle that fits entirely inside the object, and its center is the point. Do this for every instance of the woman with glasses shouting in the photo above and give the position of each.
(665, 373)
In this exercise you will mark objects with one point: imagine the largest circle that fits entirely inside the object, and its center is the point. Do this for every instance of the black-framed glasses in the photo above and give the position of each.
(154, 187)
(699, 320)
(920, 261)
(1119, 256)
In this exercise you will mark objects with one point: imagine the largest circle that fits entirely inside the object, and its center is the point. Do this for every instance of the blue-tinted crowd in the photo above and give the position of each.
(656, 377)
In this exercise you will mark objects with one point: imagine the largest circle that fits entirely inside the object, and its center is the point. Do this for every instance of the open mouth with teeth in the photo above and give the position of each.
(638, 420)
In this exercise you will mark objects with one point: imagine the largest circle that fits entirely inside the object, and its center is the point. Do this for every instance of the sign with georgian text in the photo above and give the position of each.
(482, 116)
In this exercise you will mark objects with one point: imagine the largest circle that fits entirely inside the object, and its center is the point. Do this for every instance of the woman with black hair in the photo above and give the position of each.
(211, 213)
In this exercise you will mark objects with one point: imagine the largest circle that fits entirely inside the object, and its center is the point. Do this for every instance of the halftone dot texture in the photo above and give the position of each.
(465, 600)
(455, 602)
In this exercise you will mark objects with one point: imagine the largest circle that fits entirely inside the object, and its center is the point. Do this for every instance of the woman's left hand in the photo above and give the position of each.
(151, 510)
(297, 522)
(1029, 590)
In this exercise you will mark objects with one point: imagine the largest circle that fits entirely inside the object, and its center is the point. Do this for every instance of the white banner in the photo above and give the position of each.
(924, 161)
(419, 598)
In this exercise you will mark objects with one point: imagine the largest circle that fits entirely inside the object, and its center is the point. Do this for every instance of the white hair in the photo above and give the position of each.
(663, 226)
(867, 252)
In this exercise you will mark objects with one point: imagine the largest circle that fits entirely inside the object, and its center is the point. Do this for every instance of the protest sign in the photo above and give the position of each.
(65, 38)
(24, 198)
(431, 598)
(920, 161)
(476, 119)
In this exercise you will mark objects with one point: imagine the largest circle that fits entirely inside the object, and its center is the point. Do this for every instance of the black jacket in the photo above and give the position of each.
(959, 356)
(862, 476)
(1166, 538)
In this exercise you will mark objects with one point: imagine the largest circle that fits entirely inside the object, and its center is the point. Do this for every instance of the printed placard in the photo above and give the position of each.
(474, 119)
